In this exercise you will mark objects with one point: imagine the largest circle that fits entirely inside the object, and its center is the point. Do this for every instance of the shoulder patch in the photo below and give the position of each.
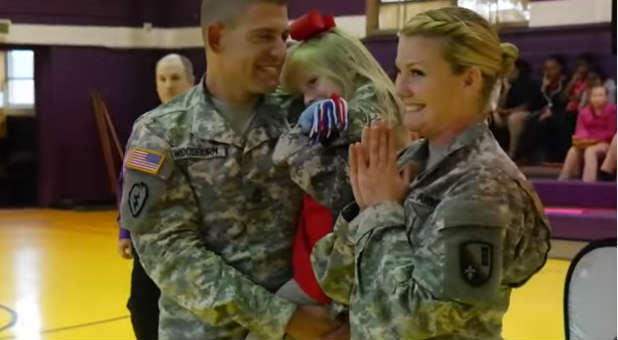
(137, 198)
(145, 160)
(475, 262)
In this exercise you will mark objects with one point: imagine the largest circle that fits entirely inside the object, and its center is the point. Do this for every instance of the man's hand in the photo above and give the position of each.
(311, 322)
(124, 248)
(546, 114)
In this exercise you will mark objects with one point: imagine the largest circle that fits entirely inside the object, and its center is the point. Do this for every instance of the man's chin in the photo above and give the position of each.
(266, 87)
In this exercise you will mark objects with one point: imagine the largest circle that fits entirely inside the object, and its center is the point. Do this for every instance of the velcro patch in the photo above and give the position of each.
(475, 262)
(215, 151)
(145, 160)
(137, 198)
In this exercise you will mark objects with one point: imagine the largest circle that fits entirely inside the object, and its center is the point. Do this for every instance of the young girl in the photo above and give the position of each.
(345, 90)
(596, 125)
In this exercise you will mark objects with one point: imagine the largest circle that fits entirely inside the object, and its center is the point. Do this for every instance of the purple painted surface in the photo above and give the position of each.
(586, 227)
(71, 163)
(160, 13)
(576, 194)
(534, 44)
(336, 7)
(75, 12)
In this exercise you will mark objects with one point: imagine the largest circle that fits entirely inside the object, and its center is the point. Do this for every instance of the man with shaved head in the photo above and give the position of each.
(211, 216)
(174, 76)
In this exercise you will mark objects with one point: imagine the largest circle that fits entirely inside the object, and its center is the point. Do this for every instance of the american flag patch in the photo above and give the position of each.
(145, 160)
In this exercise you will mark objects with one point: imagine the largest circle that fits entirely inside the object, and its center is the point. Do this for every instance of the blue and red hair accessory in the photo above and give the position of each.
(311, 24)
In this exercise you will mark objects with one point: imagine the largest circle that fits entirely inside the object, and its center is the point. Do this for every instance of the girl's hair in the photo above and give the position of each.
(469, 42)
(345, 61)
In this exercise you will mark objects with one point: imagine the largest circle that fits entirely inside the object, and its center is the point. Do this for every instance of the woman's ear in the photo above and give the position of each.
(473, 79)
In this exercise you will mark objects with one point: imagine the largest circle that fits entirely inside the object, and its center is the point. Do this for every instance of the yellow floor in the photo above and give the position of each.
(61, 275)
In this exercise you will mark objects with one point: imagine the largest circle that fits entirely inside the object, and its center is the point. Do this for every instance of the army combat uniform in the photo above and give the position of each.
(310, 164)
(443, 263)
(212, 218)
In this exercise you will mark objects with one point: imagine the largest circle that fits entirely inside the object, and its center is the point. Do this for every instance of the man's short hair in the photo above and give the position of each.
(186, 63)
(226, 11)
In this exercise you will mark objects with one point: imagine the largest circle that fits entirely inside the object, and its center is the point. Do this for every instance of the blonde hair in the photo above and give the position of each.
(345, 61)
(470, 42)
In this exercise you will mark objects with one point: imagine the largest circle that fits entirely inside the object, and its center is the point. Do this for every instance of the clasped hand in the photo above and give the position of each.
(374, 175)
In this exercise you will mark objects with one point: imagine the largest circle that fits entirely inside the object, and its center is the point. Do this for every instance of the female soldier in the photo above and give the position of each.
(436, 257)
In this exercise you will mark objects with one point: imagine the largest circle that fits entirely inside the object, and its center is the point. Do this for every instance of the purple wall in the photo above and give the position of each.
(76, 12)
(535, 44)
(71, 163)
(134, 13)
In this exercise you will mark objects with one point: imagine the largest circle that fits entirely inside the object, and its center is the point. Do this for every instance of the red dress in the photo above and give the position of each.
(314, 222)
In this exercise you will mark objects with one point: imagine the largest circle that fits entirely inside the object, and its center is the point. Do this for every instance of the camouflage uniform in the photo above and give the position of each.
(212, 218)
(309, 164)
(443, 264)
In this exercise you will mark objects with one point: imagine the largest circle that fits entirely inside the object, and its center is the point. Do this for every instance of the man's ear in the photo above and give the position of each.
(214, 34)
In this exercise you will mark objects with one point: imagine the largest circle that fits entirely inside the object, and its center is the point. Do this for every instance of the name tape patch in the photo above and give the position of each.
(217, 151)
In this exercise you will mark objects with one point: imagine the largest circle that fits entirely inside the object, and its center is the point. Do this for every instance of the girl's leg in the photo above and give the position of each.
(572, 165)
(516, 122)
(592, 156)
(609, 164)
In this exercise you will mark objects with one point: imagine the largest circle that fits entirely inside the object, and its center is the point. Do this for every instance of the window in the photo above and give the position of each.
(389, 16)
(500, 12)
(17, 80)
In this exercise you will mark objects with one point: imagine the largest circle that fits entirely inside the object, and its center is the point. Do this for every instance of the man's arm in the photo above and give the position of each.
(159, 208)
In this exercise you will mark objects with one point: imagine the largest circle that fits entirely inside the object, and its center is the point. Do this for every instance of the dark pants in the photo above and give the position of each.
(547, 140)
(143, 303)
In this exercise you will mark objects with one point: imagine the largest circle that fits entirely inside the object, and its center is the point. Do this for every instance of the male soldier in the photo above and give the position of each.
(211, 217)
(174, 76)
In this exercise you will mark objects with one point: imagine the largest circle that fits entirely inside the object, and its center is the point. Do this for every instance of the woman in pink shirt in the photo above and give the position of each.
(596, 126)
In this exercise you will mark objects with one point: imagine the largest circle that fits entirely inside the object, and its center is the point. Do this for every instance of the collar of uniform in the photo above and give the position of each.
(268, 123)
(419, 151)
(208, 123)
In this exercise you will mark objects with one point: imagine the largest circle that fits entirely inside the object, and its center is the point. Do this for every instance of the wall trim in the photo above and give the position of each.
(555, 14)
(130, 37)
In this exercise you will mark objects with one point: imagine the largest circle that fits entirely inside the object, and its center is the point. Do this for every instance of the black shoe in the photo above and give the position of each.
(606, 176)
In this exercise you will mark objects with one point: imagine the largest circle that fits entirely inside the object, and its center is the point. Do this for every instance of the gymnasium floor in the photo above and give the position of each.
(61, 278)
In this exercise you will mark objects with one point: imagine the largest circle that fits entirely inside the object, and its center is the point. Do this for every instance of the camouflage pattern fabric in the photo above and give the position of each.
(212, 218)
(441, 264)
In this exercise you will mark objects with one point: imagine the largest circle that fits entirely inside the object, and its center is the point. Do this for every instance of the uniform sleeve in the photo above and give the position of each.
(434, 287)
(160, 210)
(322, 171)
(332, 259)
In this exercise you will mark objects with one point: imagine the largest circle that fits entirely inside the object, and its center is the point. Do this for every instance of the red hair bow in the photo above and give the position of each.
(311, 24)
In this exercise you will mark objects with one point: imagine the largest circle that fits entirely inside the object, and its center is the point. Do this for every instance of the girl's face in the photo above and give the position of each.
(317, 87)
(598, 97)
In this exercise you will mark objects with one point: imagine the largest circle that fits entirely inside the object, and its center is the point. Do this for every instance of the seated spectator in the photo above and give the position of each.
(596, 77)
(542, 137)
(596, 125)
(608, 168)
(523, 95)
(577, 85)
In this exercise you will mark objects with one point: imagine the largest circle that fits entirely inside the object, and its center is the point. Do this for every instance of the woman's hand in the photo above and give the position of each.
(374, 175)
